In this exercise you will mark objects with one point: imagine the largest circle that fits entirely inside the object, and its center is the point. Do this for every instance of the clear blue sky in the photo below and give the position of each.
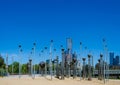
(27, 21)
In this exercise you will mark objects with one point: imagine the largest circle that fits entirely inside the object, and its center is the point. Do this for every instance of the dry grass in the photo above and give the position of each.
(47, 81)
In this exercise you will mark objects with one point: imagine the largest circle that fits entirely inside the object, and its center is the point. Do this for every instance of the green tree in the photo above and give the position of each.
(10, 69)
(2, 66)
(86, 70)
(24, 69)
(16, 67)
(1, 62)
(36, 68)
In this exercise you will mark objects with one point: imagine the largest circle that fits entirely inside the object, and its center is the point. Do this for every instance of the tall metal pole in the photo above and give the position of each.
(51, 58)
(107, 63)
(39, 64)
(20, 50)
(34, 44)
(62, 65)
(104, 62)
(32, 53)
(45, 62)
(84, 71)
(69, 47)
(7, 64)
(89, 67)
(99, 70)
(80, 57)
(74, 65)
(69, 61)
(101, 66)
(12, 65)
(57, 67)
(54, 62)
(92, 67)
(31, 65)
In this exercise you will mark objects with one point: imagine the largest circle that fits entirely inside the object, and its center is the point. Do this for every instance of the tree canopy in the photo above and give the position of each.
(1, 62)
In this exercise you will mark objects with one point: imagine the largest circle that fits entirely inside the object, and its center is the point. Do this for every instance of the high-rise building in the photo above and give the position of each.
(111, 58)
(69, 50)
(114, 62)
(69, 43)
(117, 62)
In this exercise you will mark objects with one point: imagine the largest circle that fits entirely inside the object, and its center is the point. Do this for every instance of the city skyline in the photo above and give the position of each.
(43, 54)
(26, 22)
